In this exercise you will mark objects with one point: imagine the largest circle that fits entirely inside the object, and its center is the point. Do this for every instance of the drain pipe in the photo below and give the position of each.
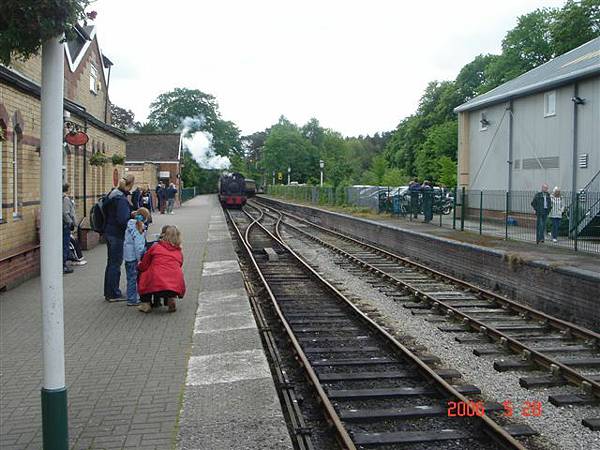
(54, 392)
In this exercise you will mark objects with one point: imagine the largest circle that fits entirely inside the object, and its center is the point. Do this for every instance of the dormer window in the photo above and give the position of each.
(93, 79)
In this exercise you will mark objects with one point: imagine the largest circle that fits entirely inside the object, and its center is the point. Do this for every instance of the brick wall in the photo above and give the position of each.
(19, 232)
(563, 292)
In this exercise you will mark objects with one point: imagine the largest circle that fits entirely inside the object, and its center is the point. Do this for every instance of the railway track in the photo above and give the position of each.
(569, 354)
(375, 392)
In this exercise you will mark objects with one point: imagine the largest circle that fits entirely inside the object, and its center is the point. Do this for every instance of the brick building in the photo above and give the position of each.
(154, 157)
(86, 106)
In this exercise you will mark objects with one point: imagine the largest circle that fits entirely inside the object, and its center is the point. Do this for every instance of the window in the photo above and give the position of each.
(93, 79)
(550, 104)
(15, 162)
(483, 121)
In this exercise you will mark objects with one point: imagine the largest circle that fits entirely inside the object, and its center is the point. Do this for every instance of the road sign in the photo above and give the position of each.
(279, 176)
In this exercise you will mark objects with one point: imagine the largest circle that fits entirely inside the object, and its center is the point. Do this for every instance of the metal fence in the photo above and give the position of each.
(188, 193)
(507, 215)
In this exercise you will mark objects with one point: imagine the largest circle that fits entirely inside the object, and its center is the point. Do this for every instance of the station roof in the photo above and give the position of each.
(153, 147)
(581, 62)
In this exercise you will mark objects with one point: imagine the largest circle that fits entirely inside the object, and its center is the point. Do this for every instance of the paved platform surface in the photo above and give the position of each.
(552, 255)
(126, 371)
(230, 400)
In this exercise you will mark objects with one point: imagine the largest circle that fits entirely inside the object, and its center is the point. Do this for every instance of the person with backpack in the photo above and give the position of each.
(117, 212)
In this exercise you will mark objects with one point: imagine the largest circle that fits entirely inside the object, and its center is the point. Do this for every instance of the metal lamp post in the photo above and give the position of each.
(321, 165)
(289, 174)
(273, 178)
(55, 429)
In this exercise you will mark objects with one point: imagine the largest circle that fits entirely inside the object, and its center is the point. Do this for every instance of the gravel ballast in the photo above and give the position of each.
(559, 427)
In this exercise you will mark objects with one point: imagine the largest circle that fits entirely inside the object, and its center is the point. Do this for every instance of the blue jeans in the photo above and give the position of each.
(540, 226)
(555, 227)
(170, 204)
(112, 274)
(66, 239)
(131, 271)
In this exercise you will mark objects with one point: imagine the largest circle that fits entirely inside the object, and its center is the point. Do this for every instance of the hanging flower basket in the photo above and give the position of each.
(98, 159)
(117, 159)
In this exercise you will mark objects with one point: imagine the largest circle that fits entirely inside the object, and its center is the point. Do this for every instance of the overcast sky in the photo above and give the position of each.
(358, 66)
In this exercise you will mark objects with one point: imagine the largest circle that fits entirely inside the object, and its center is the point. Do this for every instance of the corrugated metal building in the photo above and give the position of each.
(541, 127)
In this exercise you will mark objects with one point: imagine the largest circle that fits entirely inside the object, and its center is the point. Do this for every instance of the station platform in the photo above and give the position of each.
(553, 279)
(194, 379)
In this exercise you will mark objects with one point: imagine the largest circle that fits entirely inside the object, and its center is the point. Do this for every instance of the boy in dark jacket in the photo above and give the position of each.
(542, 204)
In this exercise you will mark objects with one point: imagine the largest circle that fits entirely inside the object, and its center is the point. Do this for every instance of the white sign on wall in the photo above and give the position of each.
(164, 174)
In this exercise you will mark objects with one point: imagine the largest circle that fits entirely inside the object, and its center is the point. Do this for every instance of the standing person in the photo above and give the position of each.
(161, 273)
(68, 209)
(414, 188)
(146, 199)
(556, 212)
(117, 212)
(542, 205)
(136, 198)
(162, 198)
(427, 201)
(158, 195)
(134, 246)
(171, 193)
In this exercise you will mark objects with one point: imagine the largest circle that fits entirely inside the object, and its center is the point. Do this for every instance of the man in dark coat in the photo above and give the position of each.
(542, 204)
(427, 192)
(117, 212)
(414, 188)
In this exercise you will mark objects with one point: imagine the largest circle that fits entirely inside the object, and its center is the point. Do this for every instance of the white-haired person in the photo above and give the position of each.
(556, 212)
(542, 205)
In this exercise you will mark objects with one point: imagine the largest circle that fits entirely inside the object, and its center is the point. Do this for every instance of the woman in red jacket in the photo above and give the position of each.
(160, 273)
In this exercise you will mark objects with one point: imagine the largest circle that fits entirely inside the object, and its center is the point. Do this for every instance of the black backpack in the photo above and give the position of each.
(98, 214)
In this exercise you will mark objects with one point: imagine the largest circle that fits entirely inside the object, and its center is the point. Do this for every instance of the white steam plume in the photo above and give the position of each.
(199, 143)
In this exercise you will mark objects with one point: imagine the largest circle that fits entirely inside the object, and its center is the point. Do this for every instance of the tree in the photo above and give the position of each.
(169, 110)
(394, 177)
(446, 171)
(286, 147)
(122, 118)
(226, 139)
(27, 24)
(575, 24)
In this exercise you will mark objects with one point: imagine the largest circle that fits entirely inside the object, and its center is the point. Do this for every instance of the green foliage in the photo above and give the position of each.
(98, 159)
(27, 24)
(169, 110)
(122, 118)
(285, 146)
(117, 159)
(574, 24)
(446, 171)
(394, 177)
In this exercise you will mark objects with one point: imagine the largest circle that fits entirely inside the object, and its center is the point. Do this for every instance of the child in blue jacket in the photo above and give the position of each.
(134, 247)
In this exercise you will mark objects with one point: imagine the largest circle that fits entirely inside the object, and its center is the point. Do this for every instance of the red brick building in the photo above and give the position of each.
(161, 149)
(87, 107)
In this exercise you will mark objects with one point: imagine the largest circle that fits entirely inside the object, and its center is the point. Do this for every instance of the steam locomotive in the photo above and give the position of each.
(234, 190)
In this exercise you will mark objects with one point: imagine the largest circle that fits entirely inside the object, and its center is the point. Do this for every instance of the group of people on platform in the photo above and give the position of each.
(425, 191)
(547, 205)
(165, 195)
(154, 270)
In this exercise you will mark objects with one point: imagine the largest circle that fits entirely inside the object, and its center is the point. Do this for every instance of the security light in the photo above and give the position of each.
(578, 100)
(484, 122)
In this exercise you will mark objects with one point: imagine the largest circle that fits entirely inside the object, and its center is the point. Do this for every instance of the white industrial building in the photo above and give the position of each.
(541, 127)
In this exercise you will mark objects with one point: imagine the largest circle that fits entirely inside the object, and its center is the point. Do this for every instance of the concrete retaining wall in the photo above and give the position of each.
(565, 292)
